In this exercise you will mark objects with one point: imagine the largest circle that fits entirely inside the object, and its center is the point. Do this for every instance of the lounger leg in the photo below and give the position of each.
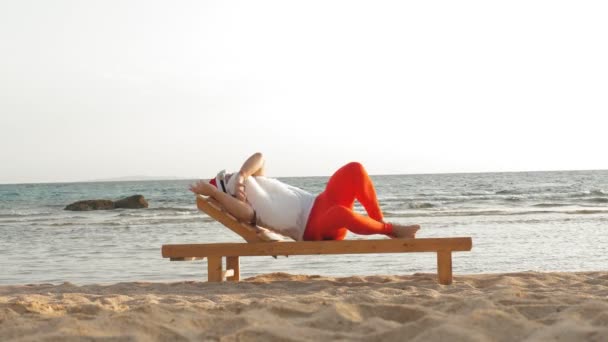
(444, 267)
(232, 263)
(214, 269)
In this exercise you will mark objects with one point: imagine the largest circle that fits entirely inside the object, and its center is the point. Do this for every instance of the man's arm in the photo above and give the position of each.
(239, 209)
(253, 166)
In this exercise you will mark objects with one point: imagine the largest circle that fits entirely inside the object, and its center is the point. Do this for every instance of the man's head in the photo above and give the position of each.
(221, 181)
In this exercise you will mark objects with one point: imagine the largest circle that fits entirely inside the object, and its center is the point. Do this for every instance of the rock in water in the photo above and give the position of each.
(91, 205)
(132, 202)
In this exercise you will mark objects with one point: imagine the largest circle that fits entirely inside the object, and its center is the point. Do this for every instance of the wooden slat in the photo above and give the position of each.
(214, 269)
(213, 209)
(232, 263)
(318, 247)
(444, 267)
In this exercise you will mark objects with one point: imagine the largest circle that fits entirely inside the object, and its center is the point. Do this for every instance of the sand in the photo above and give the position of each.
(282, 307)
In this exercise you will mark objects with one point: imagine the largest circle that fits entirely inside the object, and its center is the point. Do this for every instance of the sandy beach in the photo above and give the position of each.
(283, 307)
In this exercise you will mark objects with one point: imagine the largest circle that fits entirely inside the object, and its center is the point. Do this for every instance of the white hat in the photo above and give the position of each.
(220, 181)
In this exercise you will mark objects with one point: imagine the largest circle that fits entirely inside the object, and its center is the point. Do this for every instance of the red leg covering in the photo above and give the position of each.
(332, 214)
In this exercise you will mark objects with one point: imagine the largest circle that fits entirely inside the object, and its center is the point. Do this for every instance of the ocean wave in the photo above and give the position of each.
(463, 199)
(587, 193)
(87, 224)
(549, 191)
(509, 192)
(158, 211)
(513, 199)
(420, 205)
(506, 196)
(190, 220)
(550, 205)
(597, 200)
(476, 193)
(174, 209)
(9, 194)
(20, 214)
(494, 213)
(586, 211)
(437, 199)
(394, 199)
(11, 216)
(151, 221)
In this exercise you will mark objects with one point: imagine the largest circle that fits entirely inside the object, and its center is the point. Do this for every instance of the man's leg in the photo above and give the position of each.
(335, 223)
(338, 219)
(352, 182)
(332, 215)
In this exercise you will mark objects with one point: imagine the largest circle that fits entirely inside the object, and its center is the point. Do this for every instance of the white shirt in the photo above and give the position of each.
(280, 207)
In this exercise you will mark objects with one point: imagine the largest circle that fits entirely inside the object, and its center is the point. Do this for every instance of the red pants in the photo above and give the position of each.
(332, 214)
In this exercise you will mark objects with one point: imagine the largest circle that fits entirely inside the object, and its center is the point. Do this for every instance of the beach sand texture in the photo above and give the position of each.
(282, 307)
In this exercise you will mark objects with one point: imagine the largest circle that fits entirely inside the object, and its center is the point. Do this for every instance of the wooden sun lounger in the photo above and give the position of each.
(262, 242)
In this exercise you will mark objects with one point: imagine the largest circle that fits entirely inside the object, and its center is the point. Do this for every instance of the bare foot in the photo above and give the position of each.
(404, 232)
(203, 188)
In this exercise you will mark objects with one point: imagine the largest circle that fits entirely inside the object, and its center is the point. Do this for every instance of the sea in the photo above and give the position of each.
(519, 221)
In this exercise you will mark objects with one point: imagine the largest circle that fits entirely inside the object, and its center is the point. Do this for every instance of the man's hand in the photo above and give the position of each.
(240, 192)
(203, 188)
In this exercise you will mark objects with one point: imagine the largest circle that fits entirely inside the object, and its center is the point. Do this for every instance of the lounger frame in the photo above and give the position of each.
(261, 242)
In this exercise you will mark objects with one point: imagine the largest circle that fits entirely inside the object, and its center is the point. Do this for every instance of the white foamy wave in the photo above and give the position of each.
(597, 200)
(587, 193)
(447, 213)
(420, 205)
(550, 205)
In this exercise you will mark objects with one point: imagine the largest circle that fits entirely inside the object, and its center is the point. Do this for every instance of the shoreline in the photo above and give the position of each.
(571, 306)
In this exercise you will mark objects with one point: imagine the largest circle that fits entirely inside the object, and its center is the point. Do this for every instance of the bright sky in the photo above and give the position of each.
(103, 89)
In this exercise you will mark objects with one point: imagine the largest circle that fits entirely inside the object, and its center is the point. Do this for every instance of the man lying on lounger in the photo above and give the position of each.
(293, 212)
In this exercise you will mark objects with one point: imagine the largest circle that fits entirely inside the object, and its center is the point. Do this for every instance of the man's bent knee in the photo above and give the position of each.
(355, 167)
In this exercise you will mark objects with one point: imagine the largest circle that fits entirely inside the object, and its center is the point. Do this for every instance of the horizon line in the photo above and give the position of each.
(177, 178)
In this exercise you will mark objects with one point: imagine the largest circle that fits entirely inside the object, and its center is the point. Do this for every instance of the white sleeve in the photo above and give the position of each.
(231, 186)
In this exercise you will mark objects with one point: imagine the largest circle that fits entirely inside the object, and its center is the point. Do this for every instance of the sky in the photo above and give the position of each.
(104, 89)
